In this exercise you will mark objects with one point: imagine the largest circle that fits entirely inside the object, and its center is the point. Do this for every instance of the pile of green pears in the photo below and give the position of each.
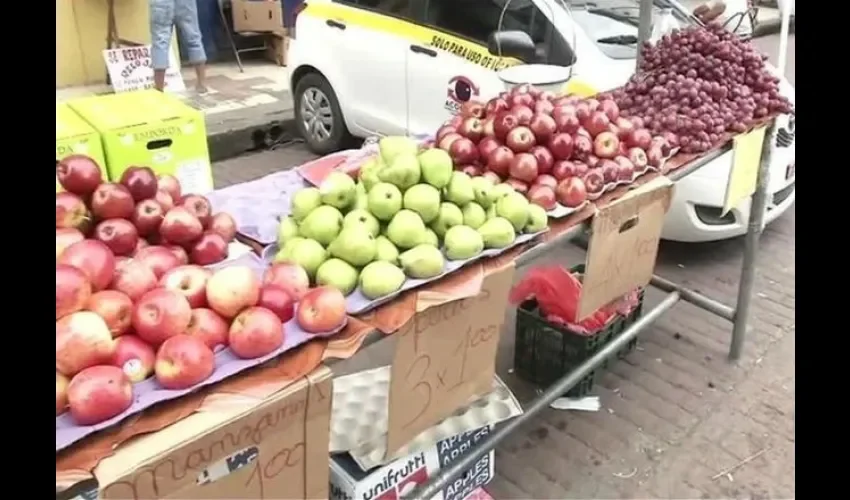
(407, 214)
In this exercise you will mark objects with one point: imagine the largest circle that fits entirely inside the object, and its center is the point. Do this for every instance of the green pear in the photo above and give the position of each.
(422, 262)
(463, 242)
(473, 215)
(308, 254)
(423, 199)
(406, 230)
(354, 245)
(337, 273)
(499, 191)
(385, 250)
(514, 207)
(483, 188)
(459, 191)
(323, 224)
(285, 251)
(362, 218)
(403, 172)
(361, 197)
(431, 238)
(436, 166)
(338, 190)
(369, 172)
(538, 219)
(305, 201)
(391, 147)
(497, 232)
(287, 230)
(380, 279)
(384, 200)
(491, 212)
(449, 216)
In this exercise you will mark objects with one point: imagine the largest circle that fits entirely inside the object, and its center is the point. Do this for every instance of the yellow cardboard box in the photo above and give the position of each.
(153, 129)
(75, 136)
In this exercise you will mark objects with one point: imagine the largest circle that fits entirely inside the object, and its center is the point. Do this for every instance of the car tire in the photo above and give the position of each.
(314, 101)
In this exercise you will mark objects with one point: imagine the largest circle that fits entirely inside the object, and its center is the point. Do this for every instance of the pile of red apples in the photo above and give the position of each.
(554, 149)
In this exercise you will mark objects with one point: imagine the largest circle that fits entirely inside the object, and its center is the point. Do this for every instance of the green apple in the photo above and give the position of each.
(514, 208)
(308, 254)
(354, 245)
(362, 218)
(337, 273)
(449, 216)
(338, 190)
(436, 166)
(287, 230)
(384, 201)
(473, 215)
(305, 201)
(322, 224)
(406, 230)
(423, 199)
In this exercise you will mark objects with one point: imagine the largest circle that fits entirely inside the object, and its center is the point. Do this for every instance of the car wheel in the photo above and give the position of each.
(318, 116)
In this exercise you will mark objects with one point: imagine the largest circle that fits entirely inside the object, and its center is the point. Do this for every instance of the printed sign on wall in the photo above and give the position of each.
(130, 68)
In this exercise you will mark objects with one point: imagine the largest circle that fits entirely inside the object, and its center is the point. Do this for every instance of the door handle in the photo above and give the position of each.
(423, 50)
(335, 24)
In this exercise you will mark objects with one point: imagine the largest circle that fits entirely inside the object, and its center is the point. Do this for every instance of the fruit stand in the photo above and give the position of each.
(418, 239)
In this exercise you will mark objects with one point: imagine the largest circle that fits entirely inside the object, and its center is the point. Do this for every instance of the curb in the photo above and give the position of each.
(239, 135)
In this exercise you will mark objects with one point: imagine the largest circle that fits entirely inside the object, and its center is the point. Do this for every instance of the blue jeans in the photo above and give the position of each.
(165, 14)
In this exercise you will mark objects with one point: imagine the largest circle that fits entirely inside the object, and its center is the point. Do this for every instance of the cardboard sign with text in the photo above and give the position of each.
(445, 355)
(242, 447)
(624, 245)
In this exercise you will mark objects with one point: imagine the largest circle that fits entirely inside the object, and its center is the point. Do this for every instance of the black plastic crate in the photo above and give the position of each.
(544, 352)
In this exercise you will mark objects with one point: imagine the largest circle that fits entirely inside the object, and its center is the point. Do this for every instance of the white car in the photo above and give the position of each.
(384, 67)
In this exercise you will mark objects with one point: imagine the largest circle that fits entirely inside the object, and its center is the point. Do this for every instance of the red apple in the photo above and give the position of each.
(135, 357)
(116, 308)
(581, 168)
(189, 281)
(255, 332)
(504, 123)
(321, 309)
(232, 289)
(170, 185)
(562, 109)
(223, 224)
(661, 143)
(486, 146)
(597, 123)
(608, 168)
(446, 142)
(592, 103)
(147, 216)
(161, 314)
(592, 161)
(495, 106)
(543, 127)
(638, 159)
(546, 180)
(183, 361)
(523, 113)
(444, 131)
(487, 127)
(78, 174)
(571, 192)
(567, 123)
(61, 393)
(164, 199)
(472, 129)
(542, 195)
(180, 253)
(198, 206)
(94, 259)
(499, 160)
(594, 182)
(291, 277)
(142, 243)
(671, 139)
(640, 138)
(517, 185)
(210, 248)
(610, 108)
(544, 106)
(520, 140)
(133, 279)
(583, 111)
(544, 158)
(606, 145)
(524, 167)
(471, 170)
(582, 147)
(623, 150)
(112, 201)
(493, 177)
(583, 132)
(66, 237)
(278, 301)
(463, 151)
(546, 96)
(71, 212)
(563, 169)
(120, 235)
(637, 122)
(73, 290)
(625, 128)
(209, 327)
(625, 169)
(158, 259)
(472, 108)
(82, 340)
(180, 226)
(655, 157)
(99, 393)
(561, 145)
(521, 100)
(140, 181)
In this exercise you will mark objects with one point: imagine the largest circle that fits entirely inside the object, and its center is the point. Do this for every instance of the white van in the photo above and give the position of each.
(386, 67)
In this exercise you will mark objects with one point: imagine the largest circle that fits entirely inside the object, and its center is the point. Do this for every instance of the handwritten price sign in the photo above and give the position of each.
(445, 355)
(130, 68)
(624, 245)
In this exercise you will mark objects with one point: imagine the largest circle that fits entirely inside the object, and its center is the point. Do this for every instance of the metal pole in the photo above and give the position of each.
(644, 27)
(462, 464)
(755, 226)
(785, 8)
(693, 297)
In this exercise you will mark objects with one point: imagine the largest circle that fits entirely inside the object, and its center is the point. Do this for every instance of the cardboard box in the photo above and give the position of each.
(276, 46)
(75, 136)
(257, 16)
(153, 129)
(390, 482)
(238, 448)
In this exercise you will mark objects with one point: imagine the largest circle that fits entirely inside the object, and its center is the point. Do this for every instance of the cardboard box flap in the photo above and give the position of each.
(130, 109)
(69, 124)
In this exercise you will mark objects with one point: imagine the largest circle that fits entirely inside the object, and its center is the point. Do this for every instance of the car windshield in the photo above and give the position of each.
(613, 24)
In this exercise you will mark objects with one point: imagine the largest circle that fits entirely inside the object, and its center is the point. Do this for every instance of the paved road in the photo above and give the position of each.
(675, 413)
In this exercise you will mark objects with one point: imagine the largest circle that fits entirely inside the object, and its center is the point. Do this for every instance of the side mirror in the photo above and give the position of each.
(516, 44)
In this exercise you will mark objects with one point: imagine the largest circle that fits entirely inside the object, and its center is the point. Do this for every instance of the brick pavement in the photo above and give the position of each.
(675, 412)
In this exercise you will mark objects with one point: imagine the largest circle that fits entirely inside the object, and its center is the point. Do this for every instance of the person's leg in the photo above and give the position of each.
(187, 20)
(162, 22)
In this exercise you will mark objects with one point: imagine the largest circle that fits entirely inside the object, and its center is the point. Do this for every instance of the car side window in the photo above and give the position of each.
(399, 8)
